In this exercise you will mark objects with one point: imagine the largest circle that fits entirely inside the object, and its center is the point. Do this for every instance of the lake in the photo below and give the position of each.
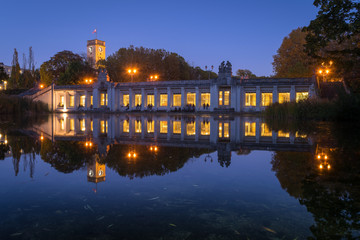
(177, 176)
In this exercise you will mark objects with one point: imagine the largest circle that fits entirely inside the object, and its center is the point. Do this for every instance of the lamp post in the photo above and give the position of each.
(132, 72)
(325, 70)
(212, 67)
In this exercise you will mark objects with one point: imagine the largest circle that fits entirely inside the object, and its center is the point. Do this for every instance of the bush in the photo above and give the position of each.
(14, 105)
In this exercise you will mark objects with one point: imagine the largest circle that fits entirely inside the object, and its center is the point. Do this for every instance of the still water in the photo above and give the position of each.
(177, 177)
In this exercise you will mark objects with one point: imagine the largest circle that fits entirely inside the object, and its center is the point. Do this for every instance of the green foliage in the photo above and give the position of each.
(291, 61)
(335, 35)
(3, 74)
(245, 73)
(167, 65)
(345, 107)
(14, 105)
(14, 81)
(64, 68)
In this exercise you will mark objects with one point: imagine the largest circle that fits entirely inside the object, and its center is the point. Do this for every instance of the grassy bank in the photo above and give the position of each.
(343, 108)
(13, 105)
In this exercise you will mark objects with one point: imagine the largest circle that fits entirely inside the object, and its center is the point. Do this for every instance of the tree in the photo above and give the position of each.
(15, 71)
(245, 74)
(147, 61)
(335, 35)
(291, 60)
(3, 74)
(65, 67)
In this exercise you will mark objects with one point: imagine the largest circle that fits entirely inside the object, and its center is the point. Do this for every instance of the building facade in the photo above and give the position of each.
(224, 94)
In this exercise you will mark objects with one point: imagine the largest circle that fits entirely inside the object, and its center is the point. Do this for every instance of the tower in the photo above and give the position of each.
(96, 171)
(95, 51)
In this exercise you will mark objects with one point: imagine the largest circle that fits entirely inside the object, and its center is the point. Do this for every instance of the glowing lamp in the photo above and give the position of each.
(156, 148)
(41, 85)
(321, 166)
(320, 71)
(134, 154)
(129, 154)
(328, 166)
(318, 156)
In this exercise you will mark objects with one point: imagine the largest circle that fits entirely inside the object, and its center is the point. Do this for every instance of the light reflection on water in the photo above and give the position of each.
(191, 187)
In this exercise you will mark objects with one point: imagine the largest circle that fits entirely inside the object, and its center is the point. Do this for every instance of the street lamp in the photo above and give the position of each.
(132, 72)
(325, 69)
(212, 67)
(154, 77)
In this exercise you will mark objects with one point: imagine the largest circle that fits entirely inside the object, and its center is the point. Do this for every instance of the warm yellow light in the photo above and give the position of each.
(134, 70)
(129, 155)
(42, 138)
(0, 87)
(0, 136)
(6, 141)
(331, 62)
(320, 166)
(327, 71)
(318, 156)
(326, 157)
(151, 148)
(156, 76)
(86, 80)
(90, 144)
(86, 144)
(90, 80)
(5, 82)
(320, 71)
(151, 77)
(156, 149)
(134, 154)
(129, 70)
(328, 166)
(41, 85)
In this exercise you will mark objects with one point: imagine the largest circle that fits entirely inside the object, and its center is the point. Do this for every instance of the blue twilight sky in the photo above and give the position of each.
(247, 33)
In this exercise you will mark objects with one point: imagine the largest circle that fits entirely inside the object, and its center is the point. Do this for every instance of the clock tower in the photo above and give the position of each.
(95, 51)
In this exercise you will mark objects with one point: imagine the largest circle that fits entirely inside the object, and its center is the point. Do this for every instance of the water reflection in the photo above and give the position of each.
(318, 168)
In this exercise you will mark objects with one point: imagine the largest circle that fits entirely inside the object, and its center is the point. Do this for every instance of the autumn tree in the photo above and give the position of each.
(335, 34)
(147, 61)
(65, 67)
(291, 60)
(3, 74)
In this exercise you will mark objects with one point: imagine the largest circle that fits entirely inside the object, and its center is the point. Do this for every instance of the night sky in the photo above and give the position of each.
(247, 33)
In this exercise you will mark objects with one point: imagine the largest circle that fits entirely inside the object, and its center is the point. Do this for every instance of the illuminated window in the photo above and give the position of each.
(138, 126)
(92, 125)
(283, 134)
(220, 98)
(177, 100)
(163, 100)
(82, 125)
(103, 99)
(265, 131)
(137, 99)
(284, 97)
(190, 129)
(177, 127)
(72, 124)
(150, 100)
(191, 99)
(266, 99)
(126, 126)
(126, 99)
(250, 99)
(82, 101)
(62, 124)
(91, 100)
(250, 129)
(205, 99)
(300, 96)
(71, 101)
(226, 130)
(163, 126)
(226, 98)
(103, 126)
(205, 128)
(150, 126)
(62, 101)
(298, 135)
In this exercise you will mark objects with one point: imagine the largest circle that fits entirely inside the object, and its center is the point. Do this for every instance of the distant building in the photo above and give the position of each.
(95, 51)
(6, 68)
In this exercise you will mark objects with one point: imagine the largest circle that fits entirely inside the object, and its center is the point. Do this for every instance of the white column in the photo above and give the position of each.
(275, 94)
(183, 97)
(197, 99)
(131, 99)
(143, 97)
(233, 95)
(95, 98)
(156, 99)
(214, 97)
(292, 93)
(258, 98)
(169, 100)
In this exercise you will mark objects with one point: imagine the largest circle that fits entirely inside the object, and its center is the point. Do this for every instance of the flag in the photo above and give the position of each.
(94, 31)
